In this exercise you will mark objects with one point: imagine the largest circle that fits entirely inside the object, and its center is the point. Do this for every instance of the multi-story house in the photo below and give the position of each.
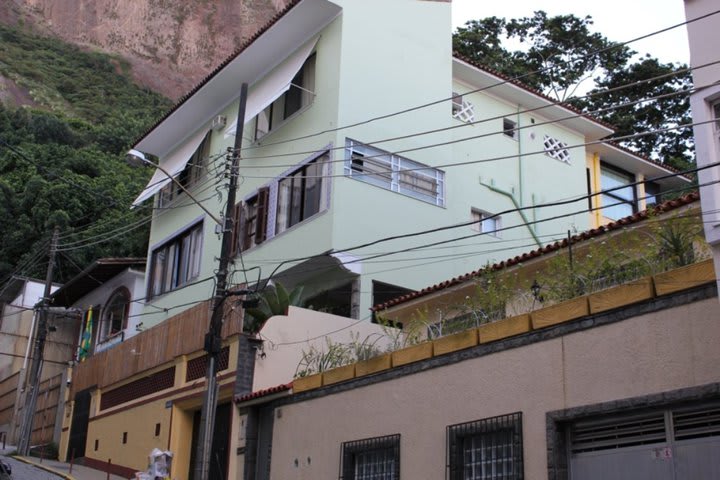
(357, 128)
(705, 103)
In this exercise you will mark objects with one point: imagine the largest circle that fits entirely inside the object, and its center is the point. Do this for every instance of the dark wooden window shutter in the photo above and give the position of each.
(262, 214)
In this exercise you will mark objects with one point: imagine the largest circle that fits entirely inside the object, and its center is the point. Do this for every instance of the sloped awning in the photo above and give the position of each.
(173, 164)
(273, 85)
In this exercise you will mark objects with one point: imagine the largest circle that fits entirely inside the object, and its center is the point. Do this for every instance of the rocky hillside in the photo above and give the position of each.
(170, 44)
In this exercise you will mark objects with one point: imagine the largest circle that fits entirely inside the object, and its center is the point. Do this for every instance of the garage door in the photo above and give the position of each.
(671, 444)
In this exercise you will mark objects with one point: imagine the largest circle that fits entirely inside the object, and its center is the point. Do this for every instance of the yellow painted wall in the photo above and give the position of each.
(139, 423)
(181, 442)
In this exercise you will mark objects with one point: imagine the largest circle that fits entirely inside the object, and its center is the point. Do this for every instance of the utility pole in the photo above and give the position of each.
(37, 359)
(213, 339)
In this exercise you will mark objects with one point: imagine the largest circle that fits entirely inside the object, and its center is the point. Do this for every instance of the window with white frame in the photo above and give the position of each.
(189, 176)
(556, 149)
(716, 117)
(287, 201)
(299, 95)
(393, 172)
(177, 262)
(621, 200)
(488, 449)
(485, 222)
(371, 459)
(510, 128)
(115, 313)
(462, 109)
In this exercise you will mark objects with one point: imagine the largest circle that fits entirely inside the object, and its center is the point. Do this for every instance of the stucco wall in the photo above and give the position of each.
(643, 355)
(286, 337)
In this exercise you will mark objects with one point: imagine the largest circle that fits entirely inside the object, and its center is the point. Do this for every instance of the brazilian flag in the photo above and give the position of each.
(86, 341)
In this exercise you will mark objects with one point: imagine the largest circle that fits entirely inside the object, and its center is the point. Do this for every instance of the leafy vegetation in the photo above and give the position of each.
(561, 56)
(62, 158)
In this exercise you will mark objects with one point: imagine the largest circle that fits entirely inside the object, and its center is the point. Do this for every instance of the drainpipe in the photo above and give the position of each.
(517, 205)
(520, 159)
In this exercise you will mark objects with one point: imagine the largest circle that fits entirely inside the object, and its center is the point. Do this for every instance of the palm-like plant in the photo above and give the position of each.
(273, 301)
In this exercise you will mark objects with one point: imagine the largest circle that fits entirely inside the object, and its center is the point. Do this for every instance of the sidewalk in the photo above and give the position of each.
(62, 469)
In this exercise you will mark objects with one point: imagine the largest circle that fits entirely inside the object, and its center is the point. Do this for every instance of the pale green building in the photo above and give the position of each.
(361, 125)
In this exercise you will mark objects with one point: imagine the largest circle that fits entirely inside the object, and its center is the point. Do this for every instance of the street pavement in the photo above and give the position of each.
(24, 471)
(30, 468)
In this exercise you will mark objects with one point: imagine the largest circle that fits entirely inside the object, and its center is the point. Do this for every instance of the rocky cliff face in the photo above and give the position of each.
(171, 44)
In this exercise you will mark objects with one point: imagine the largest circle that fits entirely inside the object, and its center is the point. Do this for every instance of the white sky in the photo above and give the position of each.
(618, 20)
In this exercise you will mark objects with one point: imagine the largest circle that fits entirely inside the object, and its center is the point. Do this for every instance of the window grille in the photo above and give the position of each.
(696, 423)
(139, 388)
(197, 367)
(556, 149)
(612, 433)
(462, 109)
(371, 459)
(395, 173)
(489, 449)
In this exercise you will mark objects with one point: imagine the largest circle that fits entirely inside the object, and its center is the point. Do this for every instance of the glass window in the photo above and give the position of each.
(619, 201)
(300, 94)
(486, 449)
(485, 222)
(509, 128)
(177, 262)
(393, 172)
(115, 313)
(189, 176)
(371, 459)
(300, 195)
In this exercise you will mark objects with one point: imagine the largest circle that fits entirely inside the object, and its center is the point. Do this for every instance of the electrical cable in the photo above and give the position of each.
(497, 84)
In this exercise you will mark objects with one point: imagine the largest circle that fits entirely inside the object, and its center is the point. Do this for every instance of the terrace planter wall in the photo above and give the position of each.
(621, 295)
(504, 328)
(562, 312)
(412, 354)
(455, 342)
(310, 382)
(339, 374)
(684, 277)
(373, 365)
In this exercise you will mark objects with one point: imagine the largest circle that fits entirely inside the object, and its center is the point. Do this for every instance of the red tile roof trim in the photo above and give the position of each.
(592, 233)
(222, 65)
(264, 393)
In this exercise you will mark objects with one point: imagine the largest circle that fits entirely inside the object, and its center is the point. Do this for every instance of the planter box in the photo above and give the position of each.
(310, 382)
(373, 365)
(504, 328)
(562, 312)
(633, 292)
(412, 354)
(455, 342)
(339, 374)
(684, 277)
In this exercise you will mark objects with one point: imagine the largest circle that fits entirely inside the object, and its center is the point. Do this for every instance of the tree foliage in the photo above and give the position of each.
(561, 56)
(62, 159)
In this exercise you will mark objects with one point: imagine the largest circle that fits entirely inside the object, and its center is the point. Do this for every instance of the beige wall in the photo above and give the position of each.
(672, 349)
(286, 337)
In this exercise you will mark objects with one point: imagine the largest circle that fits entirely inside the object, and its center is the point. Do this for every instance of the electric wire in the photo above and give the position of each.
(497, 84)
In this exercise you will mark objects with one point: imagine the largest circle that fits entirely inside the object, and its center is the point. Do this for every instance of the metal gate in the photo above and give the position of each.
(79, 425)
(672, 444)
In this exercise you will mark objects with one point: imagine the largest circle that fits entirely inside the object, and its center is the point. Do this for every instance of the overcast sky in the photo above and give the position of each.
(618, 20)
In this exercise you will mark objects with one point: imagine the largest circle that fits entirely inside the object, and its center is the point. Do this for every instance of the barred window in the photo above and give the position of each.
(489, 449)
(392, 172)
(371, 459)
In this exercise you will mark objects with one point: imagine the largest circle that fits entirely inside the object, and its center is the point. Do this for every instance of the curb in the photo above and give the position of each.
(43, 467)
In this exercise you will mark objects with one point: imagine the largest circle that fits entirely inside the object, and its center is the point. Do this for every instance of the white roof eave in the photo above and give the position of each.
(295, 28)
(502, 88)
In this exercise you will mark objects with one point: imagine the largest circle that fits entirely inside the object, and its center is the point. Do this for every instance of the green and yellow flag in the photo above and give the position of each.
(86, 341)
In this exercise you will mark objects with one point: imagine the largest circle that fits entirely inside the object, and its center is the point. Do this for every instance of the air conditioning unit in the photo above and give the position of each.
(219, 122)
